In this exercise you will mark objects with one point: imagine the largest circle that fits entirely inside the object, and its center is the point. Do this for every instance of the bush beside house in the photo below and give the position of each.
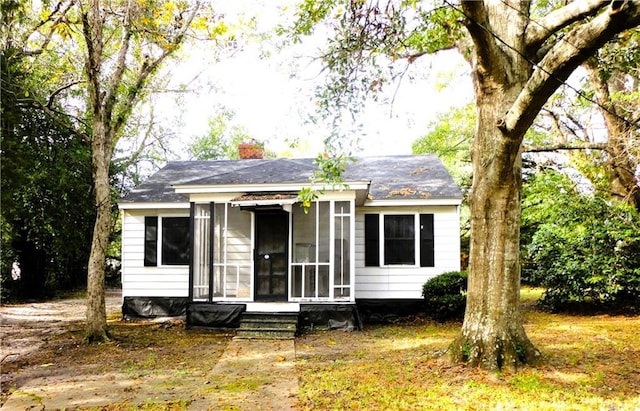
(445, 296)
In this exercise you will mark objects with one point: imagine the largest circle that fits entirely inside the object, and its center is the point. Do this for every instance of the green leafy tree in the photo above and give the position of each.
(519, 58)
(93, 62)
(221, 141)
(613, 77)
(47, 205)
(450, 139)
(597, 262)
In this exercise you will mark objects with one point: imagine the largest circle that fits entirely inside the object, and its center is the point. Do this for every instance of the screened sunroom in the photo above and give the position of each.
(271, 249)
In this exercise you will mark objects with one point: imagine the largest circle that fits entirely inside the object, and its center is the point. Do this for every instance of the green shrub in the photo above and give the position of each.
(445, 296)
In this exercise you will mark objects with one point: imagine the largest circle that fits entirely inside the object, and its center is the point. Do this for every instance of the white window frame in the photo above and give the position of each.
(416, 239)
(160, 238)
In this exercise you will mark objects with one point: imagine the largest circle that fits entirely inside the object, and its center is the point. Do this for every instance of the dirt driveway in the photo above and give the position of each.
(147, 364)
(25, 328)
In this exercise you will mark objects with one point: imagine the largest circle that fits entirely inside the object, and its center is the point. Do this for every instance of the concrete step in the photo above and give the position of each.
(268, 326)
(264, 335)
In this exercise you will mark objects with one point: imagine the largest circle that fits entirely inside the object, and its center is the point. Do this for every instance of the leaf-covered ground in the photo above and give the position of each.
(592, 363)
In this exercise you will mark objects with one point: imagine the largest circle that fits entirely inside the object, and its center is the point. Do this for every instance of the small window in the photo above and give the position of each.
(399, 240)
(175, 241)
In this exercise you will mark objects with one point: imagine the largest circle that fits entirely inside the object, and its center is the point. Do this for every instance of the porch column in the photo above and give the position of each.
(211, 253)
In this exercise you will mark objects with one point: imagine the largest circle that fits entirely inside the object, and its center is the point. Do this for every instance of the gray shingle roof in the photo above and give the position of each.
(392, 177)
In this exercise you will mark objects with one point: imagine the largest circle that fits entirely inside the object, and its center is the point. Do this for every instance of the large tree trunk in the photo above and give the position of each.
(492, 334)
(96, 325)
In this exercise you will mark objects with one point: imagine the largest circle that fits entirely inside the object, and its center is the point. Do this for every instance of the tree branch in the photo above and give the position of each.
(580, 43)
(60, 90)
(120, 65)
(539, 31)
(92, 32)
(148, 68)
(477, 22)
(47, 38)
(564, 146)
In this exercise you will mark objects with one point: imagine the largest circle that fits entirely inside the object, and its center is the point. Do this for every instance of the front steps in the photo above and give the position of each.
(268, 325)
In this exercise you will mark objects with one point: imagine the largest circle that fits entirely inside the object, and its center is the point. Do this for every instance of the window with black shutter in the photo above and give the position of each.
(175, 241)
(400, 239)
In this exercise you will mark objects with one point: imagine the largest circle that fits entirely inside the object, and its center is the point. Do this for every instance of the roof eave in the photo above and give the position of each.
(140, 205)
(413, 202)
(276, 187)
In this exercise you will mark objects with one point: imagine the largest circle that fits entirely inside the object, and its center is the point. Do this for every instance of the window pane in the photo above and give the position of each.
(150, 241)
(201, 257)
(342, 207)
(399, 239)
(304, 234)
(175, 241)
(324, 239)
(323, 280)
(342, 253)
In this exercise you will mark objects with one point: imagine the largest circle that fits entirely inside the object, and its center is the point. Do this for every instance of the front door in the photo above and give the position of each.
(272, 238)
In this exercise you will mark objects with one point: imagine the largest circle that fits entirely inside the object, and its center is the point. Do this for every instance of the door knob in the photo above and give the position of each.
(266, 256)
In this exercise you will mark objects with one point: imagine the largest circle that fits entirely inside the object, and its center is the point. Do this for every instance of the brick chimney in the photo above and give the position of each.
(250, 149)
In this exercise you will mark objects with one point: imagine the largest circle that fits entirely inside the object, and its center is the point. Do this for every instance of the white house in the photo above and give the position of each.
(216, 239)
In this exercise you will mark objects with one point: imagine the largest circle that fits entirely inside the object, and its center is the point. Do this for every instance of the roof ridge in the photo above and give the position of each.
(255, 163)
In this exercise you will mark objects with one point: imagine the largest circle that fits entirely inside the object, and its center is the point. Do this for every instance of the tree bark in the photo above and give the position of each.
(96, 324)
(492, 335)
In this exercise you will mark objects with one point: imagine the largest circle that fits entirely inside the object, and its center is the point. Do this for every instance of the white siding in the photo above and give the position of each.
(407, 281)
(141, 281)
(370, 282)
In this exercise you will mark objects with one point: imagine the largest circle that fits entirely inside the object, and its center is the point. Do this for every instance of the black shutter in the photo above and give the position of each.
(426, 241)
(371, 240)
(150, 241)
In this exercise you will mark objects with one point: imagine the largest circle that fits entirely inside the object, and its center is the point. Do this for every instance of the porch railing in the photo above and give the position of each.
(230, 281)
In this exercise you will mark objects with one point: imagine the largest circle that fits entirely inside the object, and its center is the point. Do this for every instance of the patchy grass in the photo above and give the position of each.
(591, 363)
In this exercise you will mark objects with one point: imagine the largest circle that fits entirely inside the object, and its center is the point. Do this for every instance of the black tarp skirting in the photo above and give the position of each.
(329, 316)
(388, 310)
(322, 316)
(152, 307)
(215, 315)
